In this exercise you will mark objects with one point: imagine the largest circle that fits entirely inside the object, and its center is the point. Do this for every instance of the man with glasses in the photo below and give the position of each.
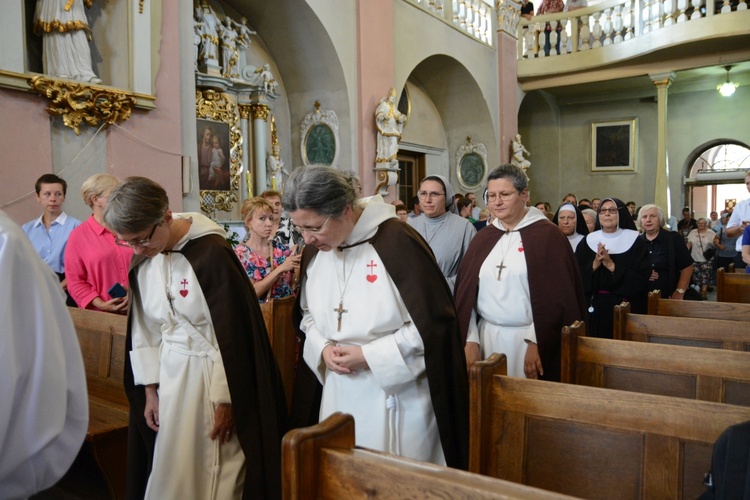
(519, 283)
(447, 233)
(200, 375)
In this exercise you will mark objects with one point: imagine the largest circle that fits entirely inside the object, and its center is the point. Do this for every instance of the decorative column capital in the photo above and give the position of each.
(260, 112)
(508, 15)
(245, 110)
(662, 79)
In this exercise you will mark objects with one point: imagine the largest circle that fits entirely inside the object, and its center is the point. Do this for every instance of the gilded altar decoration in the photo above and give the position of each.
(219, 151)
(79, 103)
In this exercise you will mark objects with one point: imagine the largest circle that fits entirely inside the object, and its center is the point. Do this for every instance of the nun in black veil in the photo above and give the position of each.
(569, 219)
(615, 267)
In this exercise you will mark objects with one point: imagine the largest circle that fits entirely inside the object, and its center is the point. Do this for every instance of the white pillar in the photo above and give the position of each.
(246, 179)
(260, 139)
(662, 81)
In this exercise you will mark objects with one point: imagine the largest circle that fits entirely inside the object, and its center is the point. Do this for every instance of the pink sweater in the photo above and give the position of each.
(93, 263)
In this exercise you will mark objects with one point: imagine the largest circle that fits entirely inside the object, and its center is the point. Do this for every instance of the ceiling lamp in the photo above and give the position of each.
(727, 88)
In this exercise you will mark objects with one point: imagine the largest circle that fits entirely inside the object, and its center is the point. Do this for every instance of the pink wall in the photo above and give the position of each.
(375, 77)
(26, 151)
(507, 77)
(25, 135)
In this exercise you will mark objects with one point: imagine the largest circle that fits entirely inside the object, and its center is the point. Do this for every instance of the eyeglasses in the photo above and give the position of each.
(503, 196)
(608, 211)
(312, 230)
(137, 243)
(424, 195)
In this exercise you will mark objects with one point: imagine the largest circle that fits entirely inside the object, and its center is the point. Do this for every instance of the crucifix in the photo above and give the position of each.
(341, 311)
(500, 268)
(170, 299)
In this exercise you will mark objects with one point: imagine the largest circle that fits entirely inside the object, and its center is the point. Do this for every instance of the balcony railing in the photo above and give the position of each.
(473, 17)
(608, 23)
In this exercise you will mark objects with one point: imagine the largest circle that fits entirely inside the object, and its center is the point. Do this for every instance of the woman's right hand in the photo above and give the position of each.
(151, 411)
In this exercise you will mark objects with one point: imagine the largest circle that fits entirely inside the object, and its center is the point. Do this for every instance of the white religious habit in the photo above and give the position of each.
(43, 402)
(174, 345)
(504, 300)
(390, 401)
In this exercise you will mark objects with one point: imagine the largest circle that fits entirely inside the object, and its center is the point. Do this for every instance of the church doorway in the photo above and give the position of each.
(412, 167)
(715, 177)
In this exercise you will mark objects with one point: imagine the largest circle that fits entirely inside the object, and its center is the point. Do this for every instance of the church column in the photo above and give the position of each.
(662, 81)
(260, 138)
(246, 180)
(507, 75)
(375, 53)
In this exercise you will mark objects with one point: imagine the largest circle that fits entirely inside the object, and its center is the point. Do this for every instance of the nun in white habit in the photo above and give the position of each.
(615, 267)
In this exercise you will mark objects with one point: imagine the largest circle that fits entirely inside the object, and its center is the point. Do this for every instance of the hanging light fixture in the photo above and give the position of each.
(727, 88)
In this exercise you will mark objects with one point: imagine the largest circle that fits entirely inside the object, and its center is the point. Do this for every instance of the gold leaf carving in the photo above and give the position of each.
(79, 103)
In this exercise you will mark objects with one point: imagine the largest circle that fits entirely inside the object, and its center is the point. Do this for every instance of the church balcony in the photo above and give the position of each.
(619, 39)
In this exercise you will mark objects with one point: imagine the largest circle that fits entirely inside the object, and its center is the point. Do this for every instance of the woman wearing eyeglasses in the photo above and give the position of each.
(268, 263)
(378, 324)
(615, 267)
(207, 404)
(94, 263)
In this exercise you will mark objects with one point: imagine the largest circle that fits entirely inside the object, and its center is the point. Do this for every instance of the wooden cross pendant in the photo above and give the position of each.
(341, 311)
(500, 269)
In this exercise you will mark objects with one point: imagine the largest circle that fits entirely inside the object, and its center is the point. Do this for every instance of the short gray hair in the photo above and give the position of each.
(320, 188)
(514, 174)
(590, 212)
(659, 213)
(135, 205)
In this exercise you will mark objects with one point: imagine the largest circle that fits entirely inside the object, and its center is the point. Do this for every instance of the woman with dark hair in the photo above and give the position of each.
(615, 267)
(571, 222)
(373, 346)
(671, 263)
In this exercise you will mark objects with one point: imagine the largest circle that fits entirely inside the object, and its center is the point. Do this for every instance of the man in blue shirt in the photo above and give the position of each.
(49, 233)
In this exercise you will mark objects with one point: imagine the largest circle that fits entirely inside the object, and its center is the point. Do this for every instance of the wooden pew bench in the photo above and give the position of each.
(727, 311)
(323, 462)
(732, 287)
(102, 339)
(693, 332)
(716, 375)
(592, 442)
(277, 314)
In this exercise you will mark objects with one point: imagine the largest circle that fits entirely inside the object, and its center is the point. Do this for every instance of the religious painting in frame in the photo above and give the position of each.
(320, 137)
(219, 151)
(613, 145)
(471, 161)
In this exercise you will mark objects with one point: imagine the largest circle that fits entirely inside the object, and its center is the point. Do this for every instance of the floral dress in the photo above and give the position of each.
(258, 267)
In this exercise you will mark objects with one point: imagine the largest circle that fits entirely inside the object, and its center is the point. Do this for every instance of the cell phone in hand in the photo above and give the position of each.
(117, 291)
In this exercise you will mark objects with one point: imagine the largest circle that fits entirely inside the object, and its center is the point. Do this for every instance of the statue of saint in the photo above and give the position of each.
(209, 29)
(66, 34)
(390, 123)
(275, 170)
(519, 151)
(229, 55)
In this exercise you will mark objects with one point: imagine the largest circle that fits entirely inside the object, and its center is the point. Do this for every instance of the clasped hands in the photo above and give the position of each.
(603, 259)
(344, 359)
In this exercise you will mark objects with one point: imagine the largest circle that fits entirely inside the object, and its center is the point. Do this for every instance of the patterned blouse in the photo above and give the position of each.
(258, 267)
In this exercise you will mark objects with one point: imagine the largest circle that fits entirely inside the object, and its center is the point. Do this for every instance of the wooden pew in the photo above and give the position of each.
(277, 314)
(714, 375)
(595, 443)
(323, 462)
(732, 287)
(102, 339)
(693, 332)
(693, 309)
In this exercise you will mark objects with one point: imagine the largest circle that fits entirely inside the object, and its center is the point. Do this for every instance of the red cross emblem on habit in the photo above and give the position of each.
(372, 276)
(184, 290)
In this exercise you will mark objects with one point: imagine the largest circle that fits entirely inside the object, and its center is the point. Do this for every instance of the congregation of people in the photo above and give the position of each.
(393, 304)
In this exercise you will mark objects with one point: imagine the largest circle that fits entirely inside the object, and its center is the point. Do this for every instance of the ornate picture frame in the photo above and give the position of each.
(211, 108)
(471, 164)
(614, 145)
(320, 137)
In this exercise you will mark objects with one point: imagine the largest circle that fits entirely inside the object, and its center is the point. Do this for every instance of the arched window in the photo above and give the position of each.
(716, 178)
